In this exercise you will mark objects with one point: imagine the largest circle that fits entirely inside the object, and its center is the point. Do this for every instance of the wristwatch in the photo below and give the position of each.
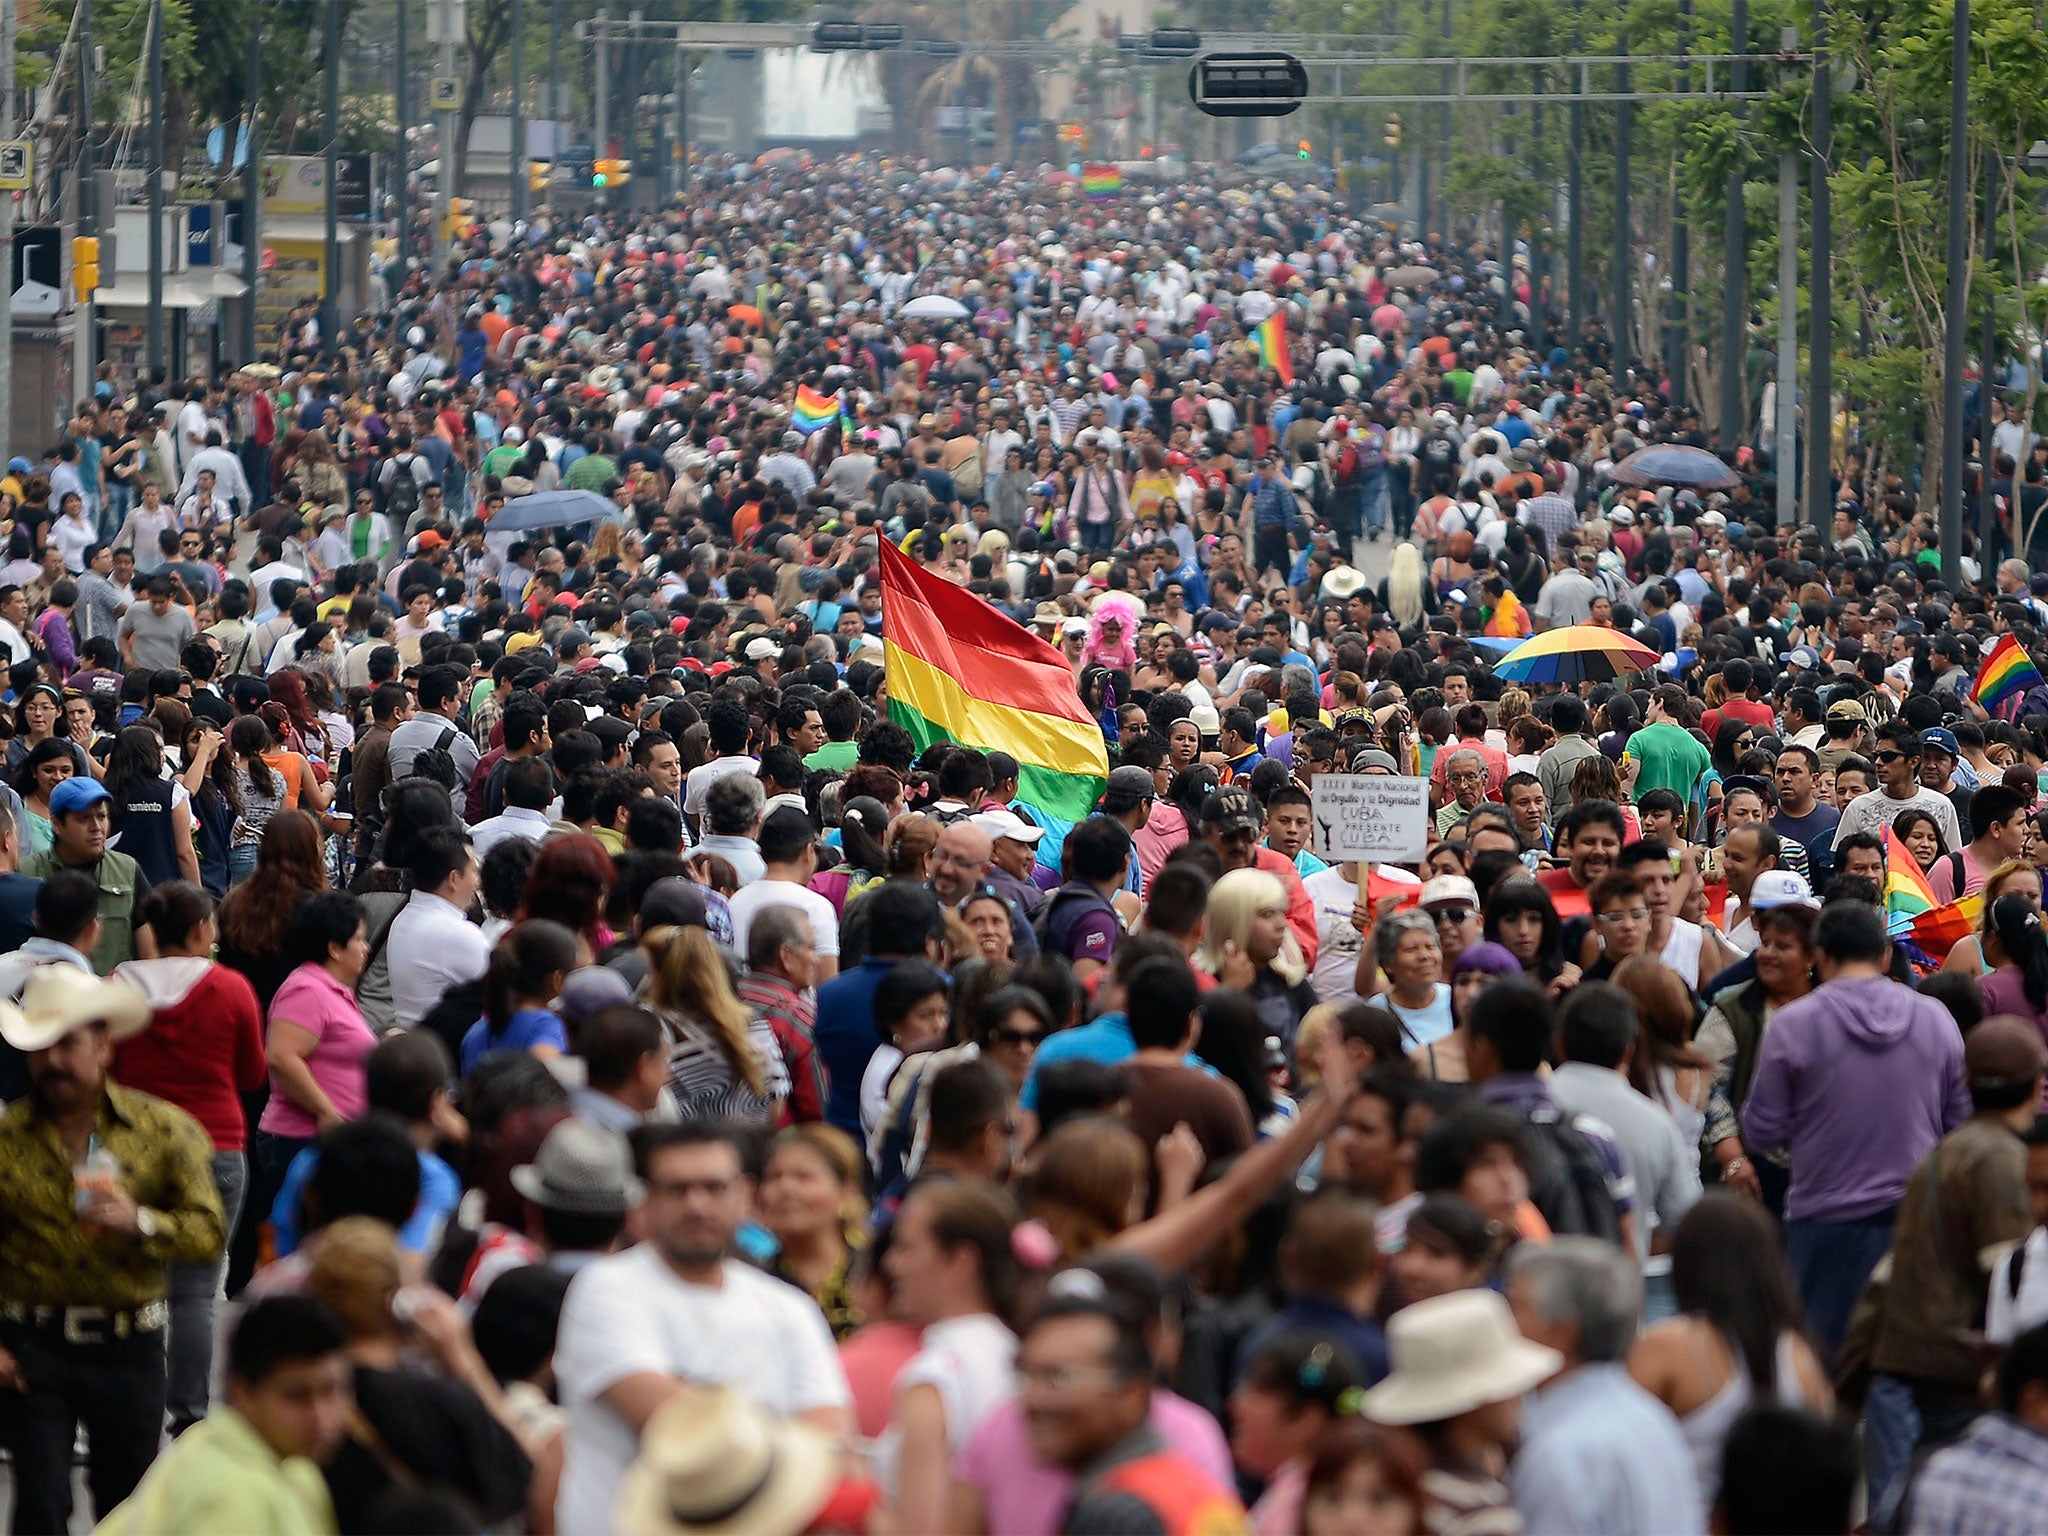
(147, 1222)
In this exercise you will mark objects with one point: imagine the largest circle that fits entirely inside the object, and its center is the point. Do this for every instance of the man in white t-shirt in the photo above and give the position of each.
(642, 1327)
(788, 844)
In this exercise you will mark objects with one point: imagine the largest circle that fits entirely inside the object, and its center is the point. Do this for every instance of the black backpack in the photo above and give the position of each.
(403, 499)
(1567, 1180)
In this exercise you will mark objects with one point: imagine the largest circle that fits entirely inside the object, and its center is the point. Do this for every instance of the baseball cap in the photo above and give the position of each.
(79, 794)
(673, 903)
(1445, 889)
(1941, 740)
(430, 538)
(1231, 811)
(1374, 760)
(1781, 888)
(2003, 1052)
(1128, 786)
(762, 648)
(1000, 824)
(1805, 657)
(1846, 709)
(589, 988)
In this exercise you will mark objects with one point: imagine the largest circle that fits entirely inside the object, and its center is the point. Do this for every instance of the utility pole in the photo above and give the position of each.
(555, 70)
(1624, 274)
(682, 80)
(519, 170)
(401, 202)
(1443, 182)
(330, 285)
(155, 330)
(1820, 343)
(444, 184)
(1787, 424)
(1678, 348)
(600, 84)
(1421, 164)
(7, 23)
(1956, 316)
(82, 349)
(1734, 289)
(252, 197)
(1987, 364)
(1575, 181)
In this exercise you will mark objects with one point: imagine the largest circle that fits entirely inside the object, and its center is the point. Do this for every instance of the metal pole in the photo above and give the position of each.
(1444, 140)
(600, 84)
(252, 198)
(1987, 367)
(444, 184)
(1820, 342)
(1421, 166)
(1624, 276)
(555, 71)
(155, 330)
(1734, 288)
(1787, 425)
(82, 348)
(519, 163)
(1575, 177)
(1679, 343)
(7, 25)
(1956, 310)
(401, 192)
(682, 80)
(330, 285)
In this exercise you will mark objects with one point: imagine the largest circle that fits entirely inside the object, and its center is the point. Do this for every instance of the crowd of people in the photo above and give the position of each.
(508, 1026)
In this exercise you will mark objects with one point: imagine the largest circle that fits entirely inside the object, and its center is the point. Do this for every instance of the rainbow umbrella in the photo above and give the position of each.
(1579, 653)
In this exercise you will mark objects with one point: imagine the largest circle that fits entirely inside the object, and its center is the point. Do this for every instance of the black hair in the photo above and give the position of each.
(1513, 1015)
(1851, 931)
(1448, 1148)
(516, 1321)
(278, 1331)
(902, 916)
(1163, 998)
(1596, 1024)
(437, 854)
(520, 967)
(902, 988)
(367, 1167)
(1786, 1469)
(2018, 926)
(172, 910)
(404, 1071)
(322, 920)
(1098, 849)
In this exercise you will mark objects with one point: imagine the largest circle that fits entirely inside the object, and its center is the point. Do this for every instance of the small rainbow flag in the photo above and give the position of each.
(1101, 180)
(1271, 335)
(2007, 672)
(813, 410)
(1907, 895)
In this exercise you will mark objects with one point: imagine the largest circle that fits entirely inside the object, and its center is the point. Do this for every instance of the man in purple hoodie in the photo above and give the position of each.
(1858, 1080)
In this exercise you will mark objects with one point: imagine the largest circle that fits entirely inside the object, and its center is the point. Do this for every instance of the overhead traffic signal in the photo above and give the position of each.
(610, 173)
(1301, 149)
(85, 267)
(1247, 84)
(1394, 131)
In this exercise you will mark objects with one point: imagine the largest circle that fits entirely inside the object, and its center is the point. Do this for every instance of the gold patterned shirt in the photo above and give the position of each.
(48, 1260)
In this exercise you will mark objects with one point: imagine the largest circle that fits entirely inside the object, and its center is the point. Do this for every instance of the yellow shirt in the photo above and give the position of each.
(221, 1476)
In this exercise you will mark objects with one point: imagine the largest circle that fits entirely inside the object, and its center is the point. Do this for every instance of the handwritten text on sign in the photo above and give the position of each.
(1370, 816)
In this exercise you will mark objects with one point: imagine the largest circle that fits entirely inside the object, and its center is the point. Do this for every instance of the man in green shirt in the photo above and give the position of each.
(253, 1464)
(1666, 754)
(590, 472)
(79, 825)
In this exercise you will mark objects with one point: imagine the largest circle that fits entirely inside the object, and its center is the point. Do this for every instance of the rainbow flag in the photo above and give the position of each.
(2007, 672)
(813, 410)
(957, 670)
(848, 427)
(1271, 335)
(1939, 931)
(1907, 895)
(1510, 621)
(1101, 180)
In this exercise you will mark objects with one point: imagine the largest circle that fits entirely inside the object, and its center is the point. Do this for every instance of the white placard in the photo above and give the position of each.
(1370, 816)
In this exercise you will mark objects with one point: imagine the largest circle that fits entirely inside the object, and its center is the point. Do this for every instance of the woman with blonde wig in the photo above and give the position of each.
(723, 1063)
(1408, 592)
(1247, 945)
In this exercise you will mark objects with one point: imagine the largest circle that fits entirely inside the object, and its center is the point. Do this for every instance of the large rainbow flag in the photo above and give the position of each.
(812, 410)
(1907, 895)
(1271, 335)
(2007, 672)
(1101, 180)
(957, 670)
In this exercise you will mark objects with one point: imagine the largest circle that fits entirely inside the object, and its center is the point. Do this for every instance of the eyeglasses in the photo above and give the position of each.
(1625, 915)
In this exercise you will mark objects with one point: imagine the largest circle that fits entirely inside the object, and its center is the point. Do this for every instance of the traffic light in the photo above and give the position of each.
(603, 173)
(85, 267)
(458, 223)
(1394, 131)
(537, 173)
(1301, 149)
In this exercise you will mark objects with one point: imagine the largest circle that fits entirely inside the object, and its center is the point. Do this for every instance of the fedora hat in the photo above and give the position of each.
(1452, 1354)
(583, 1168)
(1341, 582)
(61, 998)
(712, 1461)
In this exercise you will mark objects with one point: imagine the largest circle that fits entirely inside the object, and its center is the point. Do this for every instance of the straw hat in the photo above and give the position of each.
(710, 1461)
(1452, 1354)
(61, 998)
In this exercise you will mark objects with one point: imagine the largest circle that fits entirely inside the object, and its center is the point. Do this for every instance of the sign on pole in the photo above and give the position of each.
(17, 165)
(1369, 816)
(444, 93)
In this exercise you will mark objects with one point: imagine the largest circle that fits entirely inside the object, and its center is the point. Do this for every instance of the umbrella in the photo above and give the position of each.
(1410, 277)
(1578, 653)
(553, 509)
(746, 312)
(1676, 464)
(933, 306)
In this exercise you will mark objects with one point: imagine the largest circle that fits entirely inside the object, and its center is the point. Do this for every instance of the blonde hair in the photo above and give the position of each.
(1404, 585)
(1308, 1042)
(1514, 703)
(355, 1271)
(835, 1149)
(1994, 887)
(686, 975)
(1233, 902)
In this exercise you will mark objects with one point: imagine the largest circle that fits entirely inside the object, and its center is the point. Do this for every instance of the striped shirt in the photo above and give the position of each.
(703, 1080)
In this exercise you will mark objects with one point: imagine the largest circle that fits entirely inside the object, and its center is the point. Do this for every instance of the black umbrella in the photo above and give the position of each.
(1676, 464)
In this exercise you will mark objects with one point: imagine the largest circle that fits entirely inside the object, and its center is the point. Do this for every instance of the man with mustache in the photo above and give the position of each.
(100, 1189)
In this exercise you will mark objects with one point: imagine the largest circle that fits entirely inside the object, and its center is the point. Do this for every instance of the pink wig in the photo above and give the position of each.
(1098, 652)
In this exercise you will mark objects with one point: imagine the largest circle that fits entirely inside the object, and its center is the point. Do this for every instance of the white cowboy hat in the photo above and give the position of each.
(61, 998)
(1341, 581)
(712, 1461)
(1452, 1354)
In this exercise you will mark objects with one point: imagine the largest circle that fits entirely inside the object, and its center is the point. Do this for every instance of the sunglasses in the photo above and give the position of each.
(1887, 757)
(1452, 914)
(1007, 1036)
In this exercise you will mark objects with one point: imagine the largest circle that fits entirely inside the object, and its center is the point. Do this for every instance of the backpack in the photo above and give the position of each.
(1567, 1179)
(1053, 924)
(403, 499)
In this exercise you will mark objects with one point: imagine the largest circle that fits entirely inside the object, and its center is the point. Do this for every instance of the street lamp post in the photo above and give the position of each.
(1956, 317)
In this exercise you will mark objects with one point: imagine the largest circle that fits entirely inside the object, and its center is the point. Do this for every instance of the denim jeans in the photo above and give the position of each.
(1831, 1262)
(1375, 497)
(195, 1294)
(241, 862)
(114, 512)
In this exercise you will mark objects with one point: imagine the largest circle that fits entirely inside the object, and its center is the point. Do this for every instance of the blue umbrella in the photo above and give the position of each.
(1676, 464)
(554, 509)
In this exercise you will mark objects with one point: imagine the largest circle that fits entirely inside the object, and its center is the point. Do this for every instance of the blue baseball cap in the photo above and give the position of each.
(1942, 741)
(77, 794)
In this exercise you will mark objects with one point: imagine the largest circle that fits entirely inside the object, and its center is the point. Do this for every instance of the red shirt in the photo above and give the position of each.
(204, 1045)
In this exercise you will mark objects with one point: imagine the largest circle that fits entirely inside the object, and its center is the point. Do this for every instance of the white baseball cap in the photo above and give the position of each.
(999, 823)
(1781, 888)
